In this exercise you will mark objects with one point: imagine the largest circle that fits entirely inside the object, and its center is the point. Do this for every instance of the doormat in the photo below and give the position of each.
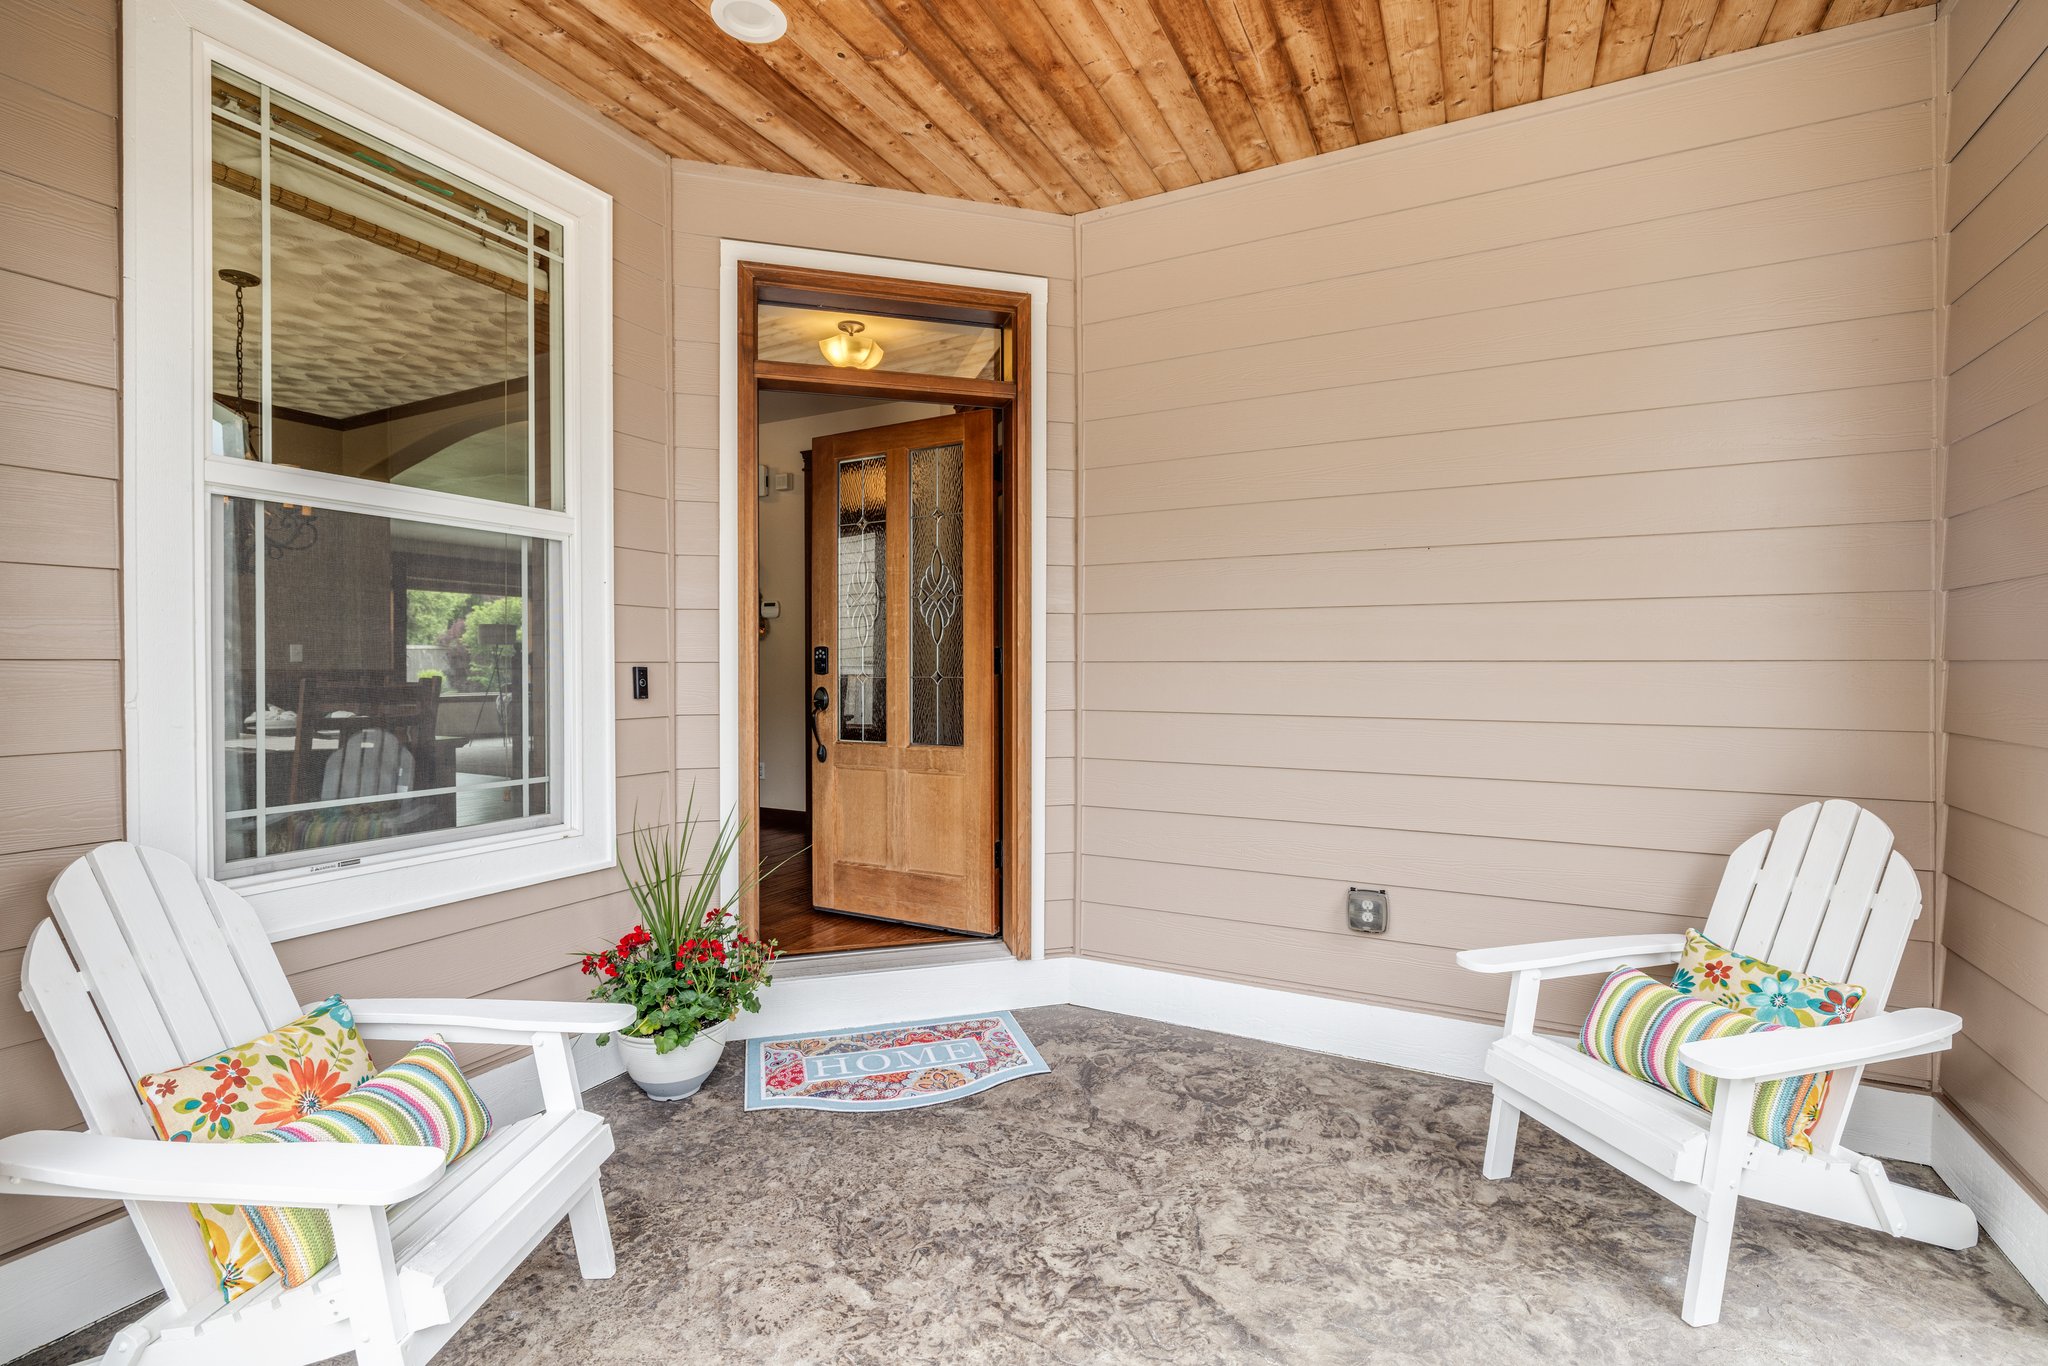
(890, 1067)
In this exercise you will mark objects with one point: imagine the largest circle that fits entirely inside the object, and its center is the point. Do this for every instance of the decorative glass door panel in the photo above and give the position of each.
(905, 796)
(937, 678)
(863, 565)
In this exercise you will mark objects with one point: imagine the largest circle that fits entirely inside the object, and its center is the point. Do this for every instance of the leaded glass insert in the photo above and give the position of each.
(937, 672)
(863, 599)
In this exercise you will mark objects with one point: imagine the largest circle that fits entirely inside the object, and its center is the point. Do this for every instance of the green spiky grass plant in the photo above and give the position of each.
(686, 966)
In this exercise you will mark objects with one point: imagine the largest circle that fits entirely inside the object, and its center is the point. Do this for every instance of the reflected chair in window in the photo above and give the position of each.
(362, 738)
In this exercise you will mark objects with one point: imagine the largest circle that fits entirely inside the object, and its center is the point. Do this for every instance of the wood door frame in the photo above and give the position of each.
(1015, 402)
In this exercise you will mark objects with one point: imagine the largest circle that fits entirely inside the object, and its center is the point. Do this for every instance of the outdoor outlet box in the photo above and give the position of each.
(1367, 910)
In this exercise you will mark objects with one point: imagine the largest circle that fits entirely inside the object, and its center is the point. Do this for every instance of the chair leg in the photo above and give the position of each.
(369, 1284)
(1707, 1273)
(593, 1234)
(1500, 1139)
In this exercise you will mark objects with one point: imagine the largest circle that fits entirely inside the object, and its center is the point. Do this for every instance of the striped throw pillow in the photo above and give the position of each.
(1637, 1024)
(420, 1101)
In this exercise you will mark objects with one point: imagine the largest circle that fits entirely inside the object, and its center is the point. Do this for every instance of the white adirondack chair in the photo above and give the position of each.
(1826, 895)
(165, 967)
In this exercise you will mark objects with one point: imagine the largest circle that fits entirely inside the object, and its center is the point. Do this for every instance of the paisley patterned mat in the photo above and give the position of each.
(889, 1067)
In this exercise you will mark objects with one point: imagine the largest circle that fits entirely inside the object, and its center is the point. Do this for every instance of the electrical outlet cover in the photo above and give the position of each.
(1366, 910)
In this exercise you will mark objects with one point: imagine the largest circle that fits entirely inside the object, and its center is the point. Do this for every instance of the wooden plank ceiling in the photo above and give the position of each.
(1067, 105)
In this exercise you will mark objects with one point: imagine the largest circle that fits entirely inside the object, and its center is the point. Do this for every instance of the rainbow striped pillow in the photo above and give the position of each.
(1637, 1024)
(420, 1101)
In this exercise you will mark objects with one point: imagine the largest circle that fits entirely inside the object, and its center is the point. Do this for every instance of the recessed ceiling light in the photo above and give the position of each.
(750, 21)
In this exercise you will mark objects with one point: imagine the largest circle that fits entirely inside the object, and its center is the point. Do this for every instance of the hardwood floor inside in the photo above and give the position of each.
(788, 918)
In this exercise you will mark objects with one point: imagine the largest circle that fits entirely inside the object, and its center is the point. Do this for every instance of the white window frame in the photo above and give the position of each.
(168, 51)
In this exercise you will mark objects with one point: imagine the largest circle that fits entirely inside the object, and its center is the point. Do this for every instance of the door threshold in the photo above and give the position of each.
(849, 961)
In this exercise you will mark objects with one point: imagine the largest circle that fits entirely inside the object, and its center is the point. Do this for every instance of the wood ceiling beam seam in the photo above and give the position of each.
(551, 54)
(1624, 40)
(858, 36)
(1368, 74)
(1073, 188)
(1683, 27)
(1308, 37)
(1794, 19)
(1035, 40)
(1738, 26)
(1106, 65)
(1137, 33)
(1572, 47)
(1191, 28)
(1253, 46)
(741, 83)
(1465, 34)
(854, 97)
(1519, 30)
(740, 143)
(1415, 56)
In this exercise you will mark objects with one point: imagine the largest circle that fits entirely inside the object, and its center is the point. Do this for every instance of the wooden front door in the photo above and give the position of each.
(903, 692)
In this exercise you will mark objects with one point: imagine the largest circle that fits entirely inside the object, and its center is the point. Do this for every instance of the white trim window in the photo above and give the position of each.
(368, 482)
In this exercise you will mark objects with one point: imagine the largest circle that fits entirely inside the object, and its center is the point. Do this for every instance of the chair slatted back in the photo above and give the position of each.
(348, 706)
(369, 763)
(1825, 894)
(148, 966)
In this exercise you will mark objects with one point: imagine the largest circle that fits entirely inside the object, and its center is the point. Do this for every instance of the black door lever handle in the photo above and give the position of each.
(819, 701)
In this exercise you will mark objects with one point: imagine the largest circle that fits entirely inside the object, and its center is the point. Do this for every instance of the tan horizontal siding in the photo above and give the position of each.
(1516, 522)
(60, 727)
(1995, 637)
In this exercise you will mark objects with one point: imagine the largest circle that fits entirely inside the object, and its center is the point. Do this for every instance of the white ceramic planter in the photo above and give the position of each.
(677, 1073)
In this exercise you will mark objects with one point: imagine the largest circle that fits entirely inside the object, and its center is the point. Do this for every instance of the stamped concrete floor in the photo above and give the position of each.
(1168, 1195)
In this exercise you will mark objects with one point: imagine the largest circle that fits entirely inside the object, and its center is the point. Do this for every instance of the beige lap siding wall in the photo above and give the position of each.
(715, 203)
(1514, 516)
(60, 525)
(60, 727)
(1995, 920)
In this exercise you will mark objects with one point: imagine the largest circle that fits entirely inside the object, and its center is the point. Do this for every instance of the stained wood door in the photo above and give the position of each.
(904, 751)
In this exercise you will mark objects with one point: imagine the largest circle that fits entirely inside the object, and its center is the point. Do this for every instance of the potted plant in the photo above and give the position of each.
(686, 968)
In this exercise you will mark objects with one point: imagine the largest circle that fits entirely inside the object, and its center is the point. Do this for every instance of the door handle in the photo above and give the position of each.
(819, 701)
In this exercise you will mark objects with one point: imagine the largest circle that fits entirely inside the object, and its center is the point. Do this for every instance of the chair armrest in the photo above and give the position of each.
(1576, 957)
(1766, 1056)
(485, 1019)
(107, 1167)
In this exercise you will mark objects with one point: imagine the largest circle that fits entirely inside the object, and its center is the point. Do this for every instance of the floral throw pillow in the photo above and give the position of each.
(294, 1071)
(1773, 994)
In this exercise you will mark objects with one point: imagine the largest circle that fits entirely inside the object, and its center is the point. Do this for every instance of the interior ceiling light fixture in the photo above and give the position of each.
(849, 350)
(750, 21)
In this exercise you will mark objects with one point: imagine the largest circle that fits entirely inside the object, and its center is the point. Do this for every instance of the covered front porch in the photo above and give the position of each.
(1169, 1194)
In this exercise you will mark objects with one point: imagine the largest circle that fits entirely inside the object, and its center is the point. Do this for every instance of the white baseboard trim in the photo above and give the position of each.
(62, 1288)
(1321, 1024)
(2015, 1221)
